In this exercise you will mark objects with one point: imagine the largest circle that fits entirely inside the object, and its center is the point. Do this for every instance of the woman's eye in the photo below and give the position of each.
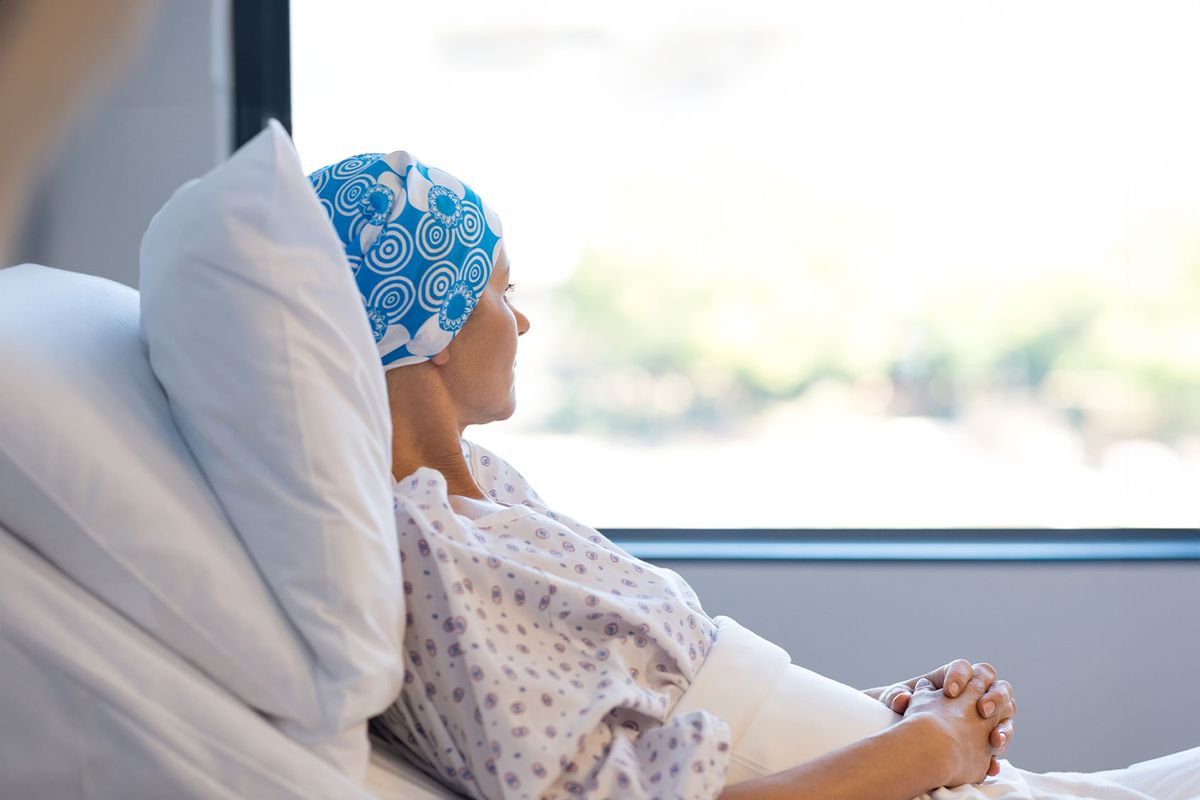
(510, 288)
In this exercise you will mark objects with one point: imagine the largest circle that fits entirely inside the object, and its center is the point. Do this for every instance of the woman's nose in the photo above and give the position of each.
(522, 323)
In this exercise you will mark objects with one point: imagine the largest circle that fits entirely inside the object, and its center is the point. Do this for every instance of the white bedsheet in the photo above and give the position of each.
(93, 707)
(389, 779)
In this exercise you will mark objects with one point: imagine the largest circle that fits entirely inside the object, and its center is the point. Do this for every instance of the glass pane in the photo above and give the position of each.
(852, 263)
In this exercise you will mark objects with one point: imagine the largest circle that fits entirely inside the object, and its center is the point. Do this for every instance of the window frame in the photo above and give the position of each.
(260, 31)
(924, 545)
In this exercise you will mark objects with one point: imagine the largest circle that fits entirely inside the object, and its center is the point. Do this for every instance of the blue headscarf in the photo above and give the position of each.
(421, 245)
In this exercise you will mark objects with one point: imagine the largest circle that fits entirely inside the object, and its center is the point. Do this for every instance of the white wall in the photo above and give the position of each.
(1104, 657)
(168, 120)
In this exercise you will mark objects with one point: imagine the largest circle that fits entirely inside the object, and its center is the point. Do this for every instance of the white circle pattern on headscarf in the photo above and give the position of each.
(476, 270)
(434, 239)
(391, 253)
(435, 285)
(349, 167)
(350, 195)
(470, 229)
(394, 297)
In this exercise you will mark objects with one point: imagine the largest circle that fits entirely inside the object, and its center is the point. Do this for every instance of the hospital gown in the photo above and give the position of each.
(541, 660)
(544, 661)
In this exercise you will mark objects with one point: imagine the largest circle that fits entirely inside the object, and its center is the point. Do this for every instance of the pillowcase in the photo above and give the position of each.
(95, 476)
(256, 331)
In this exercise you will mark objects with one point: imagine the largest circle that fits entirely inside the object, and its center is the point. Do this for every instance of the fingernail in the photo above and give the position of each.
(1003, 739)
(988, 709)
(952, 687)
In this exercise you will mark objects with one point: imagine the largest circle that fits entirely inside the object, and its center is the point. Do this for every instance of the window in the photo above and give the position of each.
(852, 264)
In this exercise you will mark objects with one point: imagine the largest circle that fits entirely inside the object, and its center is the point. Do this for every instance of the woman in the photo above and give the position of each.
(544, 661)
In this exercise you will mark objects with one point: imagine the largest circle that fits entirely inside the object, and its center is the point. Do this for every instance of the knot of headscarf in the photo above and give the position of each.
(421, 245)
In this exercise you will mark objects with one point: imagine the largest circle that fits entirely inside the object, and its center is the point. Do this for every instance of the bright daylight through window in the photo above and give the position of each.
(816, 264)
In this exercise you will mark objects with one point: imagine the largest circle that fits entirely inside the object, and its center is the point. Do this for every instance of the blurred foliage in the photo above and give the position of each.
(672, 345)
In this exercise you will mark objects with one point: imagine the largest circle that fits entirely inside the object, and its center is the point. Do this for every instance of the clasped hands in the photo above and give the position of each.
(994, 699)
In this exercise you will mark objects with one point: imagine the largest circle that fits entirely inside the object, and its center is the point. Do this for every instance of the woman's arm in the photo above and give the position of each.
(941, 741)
(899, 763)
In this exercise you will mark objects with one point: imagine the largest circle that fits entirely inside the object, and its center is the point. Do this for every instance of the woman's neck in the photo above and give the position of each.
(426, 433)
(448, 460)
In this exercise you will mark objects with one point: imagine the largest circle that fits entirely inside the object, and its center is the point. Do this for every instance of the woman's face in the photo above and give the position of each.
(479, 369)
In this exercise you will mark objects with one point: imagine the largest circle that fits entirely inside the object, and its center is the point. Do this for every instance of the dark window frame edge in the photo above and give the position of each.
(260, 32)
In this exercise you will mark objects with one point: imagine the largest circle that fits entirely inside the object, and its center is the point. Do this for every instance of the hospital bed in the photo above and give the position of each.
(91, 704)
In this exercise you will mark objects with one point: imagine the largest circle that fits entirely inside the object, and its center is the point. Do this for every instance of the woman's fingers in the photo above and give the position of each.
(998, 702)
(955, 676)
(993, 768)
(985, 672)
(1002, 735)
(896, 697)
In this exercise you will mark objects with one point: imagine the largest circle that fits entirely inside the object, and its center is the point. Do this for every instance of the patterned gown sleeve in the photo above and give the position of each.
(543, 662)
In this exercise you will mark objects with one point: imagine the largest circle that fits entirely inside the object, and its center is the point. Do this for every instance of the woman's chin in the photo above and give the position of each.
(509, 409)
(504, 411)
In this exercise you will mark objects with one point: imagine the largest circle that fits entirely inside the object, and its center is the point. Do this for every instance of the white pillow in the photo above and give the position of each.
(95, 476)
(257, 333)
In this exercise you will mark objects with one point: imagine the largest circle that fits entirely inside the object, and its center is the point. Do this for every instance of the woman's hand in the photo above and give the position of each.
(966, 736)
(952, 678)
(941, 741)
